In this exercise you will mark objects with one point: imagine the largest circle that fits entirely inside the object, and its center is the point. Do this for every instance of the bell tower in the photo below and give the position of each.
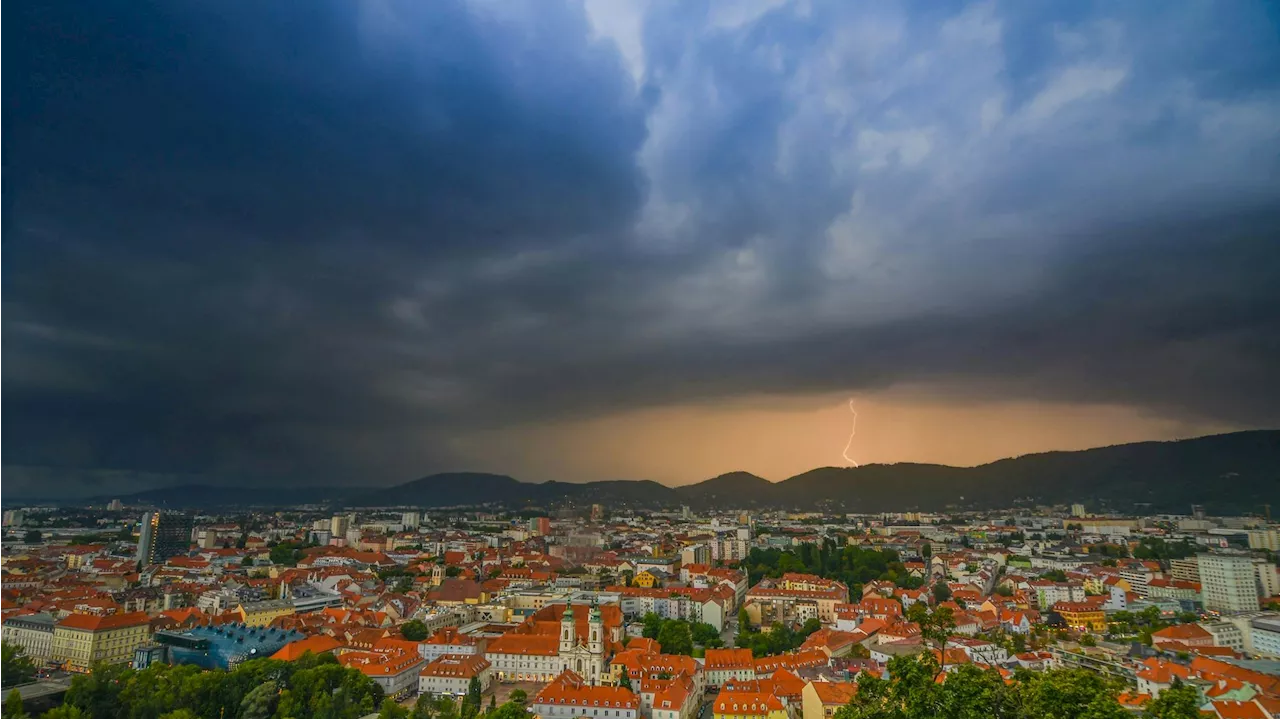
(568, 630)
(595, 631)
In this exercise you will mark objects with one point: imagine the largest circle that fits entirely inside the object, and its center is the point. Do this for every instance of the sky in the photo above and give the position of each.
(326, 242)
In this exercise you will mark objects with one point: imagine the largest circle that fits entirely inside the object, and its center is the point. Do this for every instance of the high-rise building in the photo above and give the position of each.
(1077, 510)
(597, 512)
(540, 526)
(163, 535)
(1268, 578)
(411, 520)
(338, 525)
(1188, 570)
(1228, 582)
(14, 517)
(115, 506)
(1264, 539)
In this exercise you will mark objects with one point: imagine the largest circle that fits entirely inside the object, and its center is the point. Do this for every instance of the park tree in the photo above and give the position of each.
(13, 708)
(15, 667)
(391, 710)
(521, 697)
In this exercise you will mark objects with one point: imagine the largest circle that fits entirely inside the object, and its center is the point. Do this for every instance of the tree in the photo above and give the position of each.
(15, 667)
(941, 592)
(452, 571)
(471, 702)
(13, 706)
(704, 633)
(624, 682)
(1088, 641)
(32, 536)
(391, 710)
(1055, 575)
(675, 638)
(246, 562)
(177, 714)
(1179, 701)
(510, 710)
(414, 630)
(261, 702)
(744, 620)
(521, 697)
(404, 585)
(652, 625)
(926, 551)
(66, 711)
(286, 554)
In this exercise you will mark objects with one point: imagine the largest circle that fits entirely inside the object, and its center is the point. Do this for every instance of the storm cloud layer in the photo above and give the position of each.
(321, 241)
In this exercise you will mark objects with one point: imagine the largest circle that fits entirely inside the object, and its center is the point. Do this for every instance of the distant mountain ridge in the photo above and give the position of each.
(1237, 472)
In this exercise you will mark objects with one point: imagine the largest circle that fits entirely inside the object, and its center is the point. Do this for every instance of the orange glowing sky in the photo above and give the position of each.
(779, 437)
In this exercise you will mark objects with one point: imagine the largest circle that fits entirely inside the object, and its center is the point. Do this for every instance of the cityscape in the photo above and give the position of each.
(640, 359)
(654, 614)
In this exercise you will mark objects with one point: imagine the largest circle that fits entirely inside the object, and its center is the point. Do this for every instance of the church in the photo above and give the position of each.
(582, 638)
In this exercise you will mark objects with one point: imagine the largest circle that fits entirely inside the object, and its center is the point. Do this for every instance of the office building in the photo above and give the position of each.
(163, 535)
(1228, 582)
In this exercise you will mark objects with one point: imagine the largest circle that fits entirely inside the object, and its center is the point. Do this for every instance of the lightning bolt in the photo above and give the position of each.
(852, 431)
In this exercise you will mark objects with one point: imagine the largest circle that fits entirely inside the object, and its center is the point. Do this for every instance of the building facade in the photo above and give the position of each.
(1228, 583)
(82, 640)
(163, 535)
(32, 632)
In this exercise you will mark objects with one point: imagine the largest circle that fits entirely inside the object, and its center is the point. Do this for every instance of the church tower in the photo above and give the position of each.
(595, 633)
(568, 631)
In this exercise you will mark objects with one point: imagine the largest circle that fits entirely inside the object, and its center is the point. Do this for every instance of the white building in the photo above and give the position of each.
(569, 695)
(1268, 578)
(1228, 582)
(451, 674)
(32, 632)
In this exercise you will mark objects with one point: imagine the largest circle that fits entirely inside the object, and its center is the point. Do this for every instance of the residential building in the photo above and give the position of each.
(261, 614)
(1264, 539)
(1225, 634)
(448, 641)
(569, 695)
(1268, 577)
(411, 520)
(1228, 582)
(451, 674)
(1187, 570)
(395, 670)
(338, 525)
(163, 535)
(32, 632)
(821, 700)
(82, 640)
(1182, 635)
(733, 704)
(1265, 631)
(722, 665)
(1082, 615)
(695, 554)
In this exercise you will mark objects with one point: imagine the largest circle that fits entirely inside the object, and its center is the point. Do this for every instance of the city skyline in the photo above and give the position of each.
(362, 243)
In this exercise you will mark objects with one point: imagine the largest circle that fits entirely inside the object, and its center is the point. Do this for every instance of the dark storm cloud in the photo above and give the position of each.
(321, 240)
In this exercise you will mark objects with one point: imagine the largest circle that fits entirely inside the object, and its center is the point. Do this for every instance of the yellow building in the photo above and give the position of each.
(82, 640)
(1082, 615)
(821, 700)
(261, 614)
(645, 579)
